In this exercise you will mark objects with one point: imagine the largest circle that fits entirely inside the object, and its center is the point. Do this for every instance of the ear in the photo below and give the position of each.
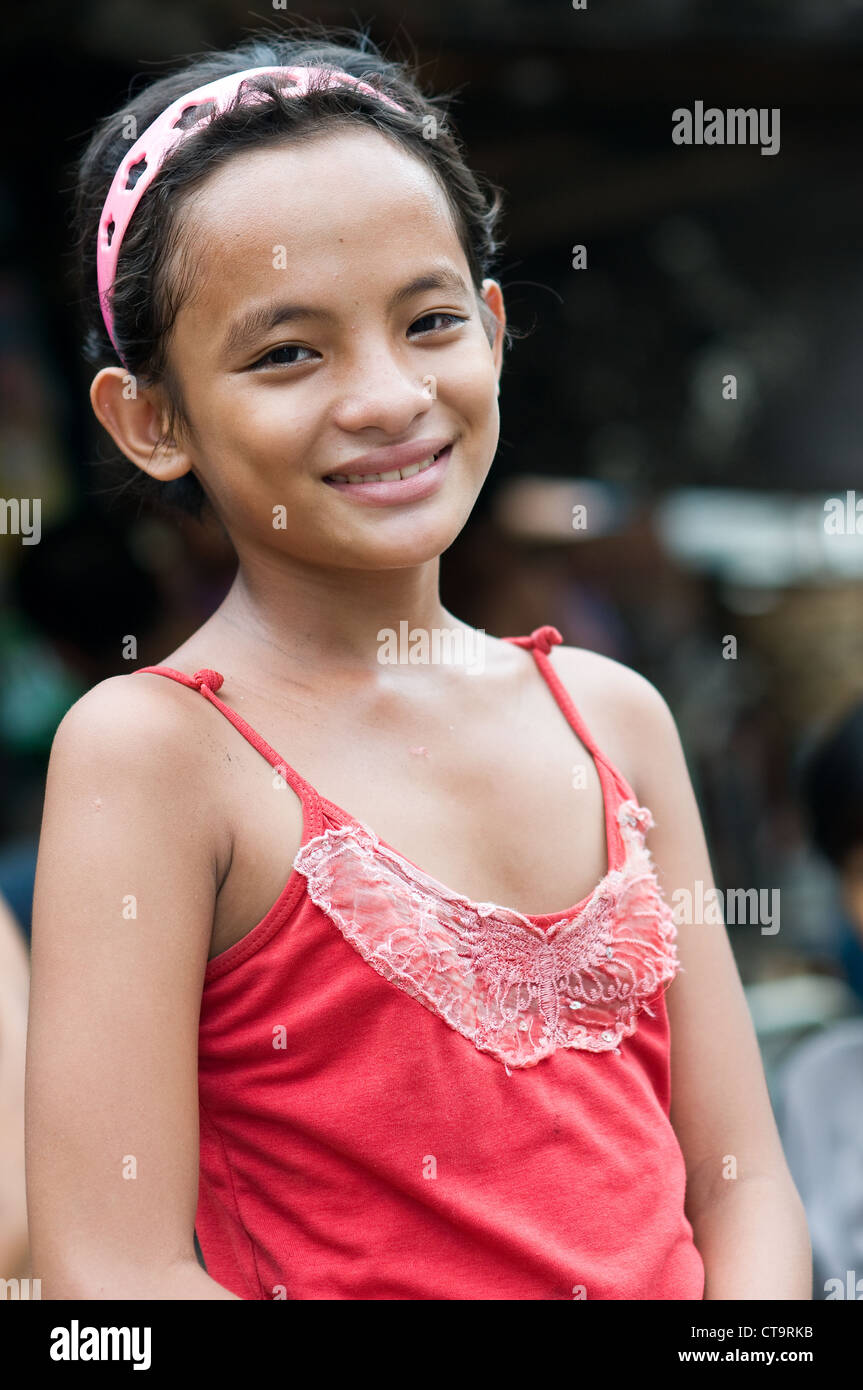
(136, 419)
(494, 320)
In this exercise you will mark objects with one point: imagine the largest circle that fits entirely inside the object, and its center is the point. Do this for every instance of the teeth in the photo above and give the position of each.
(392, 477)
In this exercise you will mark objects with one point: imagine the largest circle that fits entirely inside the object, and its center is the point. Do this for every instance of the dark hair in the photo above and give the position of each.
(154, 270)
(831, 787)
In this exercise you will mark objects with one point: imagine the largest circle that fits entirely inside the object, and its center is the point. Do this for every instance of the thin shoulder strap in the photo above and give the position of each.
(540, 642)
(208, 682)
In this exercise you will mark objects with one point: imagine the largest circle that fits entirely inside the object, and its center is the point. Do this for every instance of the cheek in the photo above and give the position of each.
(261, 416)
(256, 436)
(467, 398)
(469, 377)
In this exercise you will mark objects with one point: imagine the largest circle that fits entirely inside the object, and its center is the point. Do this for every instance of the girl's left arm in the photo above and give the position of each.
(746, 1214)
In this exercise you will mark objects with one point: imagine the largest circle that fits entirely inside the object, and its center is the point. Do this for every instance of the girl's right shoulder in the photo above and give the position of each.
(134, 755)
(139, 715)
(140, 731)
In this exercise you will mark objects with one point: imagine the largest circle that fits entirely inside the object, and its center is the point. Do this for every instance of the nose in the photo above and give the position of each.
(384, 388)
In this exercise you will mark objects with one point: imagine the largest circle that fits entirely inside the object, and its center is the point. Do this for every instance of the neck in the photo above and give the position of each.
(328, 619)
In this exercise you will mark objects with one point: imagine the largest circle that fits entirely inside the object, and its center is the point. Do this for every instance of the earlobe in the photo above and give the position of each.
(134, 419)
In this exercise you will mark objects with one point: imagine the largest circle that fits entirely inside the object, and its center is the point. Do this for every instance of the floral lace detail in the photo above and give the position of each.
(515, 990)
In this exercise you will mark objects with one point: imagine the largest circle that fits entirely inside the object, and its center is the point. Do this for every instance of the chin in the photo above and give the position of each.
(400, 545)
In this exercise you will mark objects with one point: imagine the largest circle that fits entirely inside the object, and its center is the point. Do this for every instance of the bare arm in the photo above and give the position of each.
(747, 1217)
(126, 883)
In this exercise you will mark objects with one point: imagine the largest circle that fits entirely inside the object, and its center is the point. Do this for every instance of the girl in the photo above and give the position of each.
(277, 998)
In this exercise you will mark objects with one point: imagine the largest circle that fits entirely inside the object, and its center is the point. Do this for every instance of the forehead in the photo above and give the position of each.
(350, 202)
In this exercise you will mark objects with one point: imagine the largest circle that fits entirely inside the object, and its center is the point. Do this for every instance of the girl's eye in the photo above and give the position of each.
(440, 314)
(269, 358)
(274, 357)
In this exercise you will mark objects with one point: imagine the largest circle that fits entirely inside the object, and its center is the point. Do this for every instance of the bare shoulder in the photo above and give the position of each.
(629, 718)
(142, 735)
(147, 717)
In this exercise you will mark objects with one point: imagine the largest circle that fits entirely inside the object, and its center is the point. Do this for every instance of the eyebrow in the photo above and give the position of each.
(264, 317)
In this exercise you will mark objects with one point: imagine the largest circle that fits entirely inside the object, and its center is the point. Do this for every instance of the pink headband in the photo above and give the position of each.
(162, 137)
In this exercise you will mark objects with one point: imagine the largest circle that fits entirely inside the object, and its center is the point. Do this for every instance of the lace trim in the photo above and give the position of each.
(515, 990)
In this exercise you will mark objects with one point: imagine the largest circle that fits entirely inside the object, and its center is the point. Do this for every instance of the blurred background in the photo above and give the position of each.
(708, 560)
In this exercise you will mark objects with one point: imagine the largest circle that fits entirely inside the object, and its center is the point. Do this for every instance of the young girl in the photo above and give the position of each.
(358, 967)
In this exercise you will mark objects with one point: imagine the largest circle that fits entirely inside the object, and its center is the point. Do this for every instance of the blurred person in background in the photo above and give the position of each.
(820, 1086)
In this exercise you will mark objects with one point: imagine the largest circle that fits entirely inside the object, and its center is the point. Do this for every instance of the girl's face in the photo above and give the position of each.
(345, 244)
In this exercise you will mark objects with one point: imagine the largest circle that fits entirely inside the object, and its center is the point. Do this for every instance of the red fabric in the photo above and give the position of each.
(378, 1154)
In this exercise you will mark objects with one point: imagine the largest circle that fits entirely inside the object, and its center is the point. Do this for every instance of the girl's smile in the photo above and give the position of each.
(393, 484)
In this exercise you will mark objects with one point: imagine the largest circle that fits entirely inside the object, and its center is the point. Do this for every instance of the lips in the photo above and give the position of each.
(412, 483)
(392, 475)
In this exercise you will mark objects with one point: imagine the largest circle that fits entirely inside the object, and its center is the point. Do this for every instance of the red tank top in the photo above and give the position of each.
(405, 1094)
